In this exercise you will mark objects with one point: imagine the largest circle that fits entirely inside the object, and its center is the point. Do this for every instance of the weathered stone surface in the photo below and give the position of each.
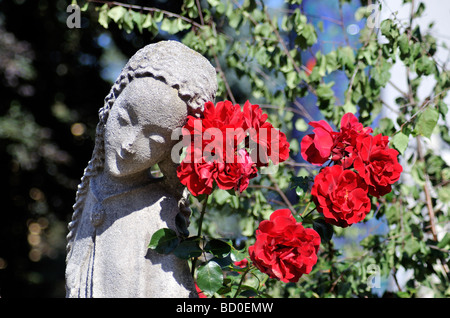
(119, 205)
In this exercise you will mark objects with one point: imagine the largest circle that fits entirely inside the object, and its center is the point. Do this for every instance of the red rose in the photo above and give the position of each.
(198, 177)
(265, 142)
(284, 249)
(377, 164)
(199, 292)
(341, 196)
(236, 174)
(220, 127)
(344, 147)
(213, 141)
(316, 148)
(241, 264)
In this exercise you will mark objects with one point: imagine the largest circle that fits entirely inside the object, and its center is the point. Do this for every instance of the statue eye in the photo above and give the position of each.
(157, 138)
(124, 119)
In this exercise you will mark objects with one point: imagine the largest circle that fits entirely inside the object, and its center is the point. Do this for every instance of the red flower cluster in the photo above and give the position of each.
(363, 165)
(284, 249)
(226, 145)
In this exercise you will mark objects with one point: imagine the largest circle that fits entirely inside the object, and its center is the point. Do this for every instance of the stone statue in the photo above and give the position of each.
(119, 205)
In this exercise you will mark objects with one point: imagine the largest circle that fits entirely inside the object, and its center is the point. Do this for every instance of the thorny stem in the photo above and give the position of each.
(241, 281)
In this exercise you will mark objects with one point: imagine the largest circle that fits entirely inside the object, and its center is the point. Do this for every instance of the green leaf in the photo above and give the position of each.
(302, 182)
(169, 26)
(103, 18)
(117, 13)
(426, 122)
(210, 278)
(349, 107)
(400, 142)
(412, 246)
(221, 196)
(218, 248)
(425, 66)
(164, 241)
(346, 57)
(324, 229)
(128, 21)
(325, 91)
(301, 125)
(188, 248)
(147, 22)
(139, 19)
(85, 7)
(445, 242)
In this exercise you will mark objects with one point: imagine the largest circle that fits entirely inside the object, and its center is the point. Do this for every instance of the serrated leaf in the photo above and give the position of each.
(188, 248)
(117, 13)
(426, 122)
(210, 278)
(170, 26)
(445, 242)
(218, 248)
(400, 142)
(164, 241)
(103, 18)
(147, 22)
(412, 246)
(324, 229)
(128, 21)
(139, 19)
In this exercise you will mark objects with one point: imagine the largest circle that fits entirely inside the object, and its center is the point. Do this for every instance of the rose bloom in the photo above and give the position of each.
(236, 174)
(263, 138)
(241, 264)
(316, 148)
(284, 249)
(198, 177)
(220, 126)
(344, 151)
(341, 196)
(213, 141)
(325, 144)
(377, 164)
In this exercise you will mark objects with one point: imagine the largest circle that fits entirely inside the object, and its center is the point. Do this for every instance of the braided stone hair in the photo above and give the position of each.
(168, 61)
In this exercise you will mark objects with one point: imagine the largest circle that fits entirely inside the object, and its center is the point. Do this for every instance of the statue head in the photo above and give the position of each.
(166, 82)
(137, 133)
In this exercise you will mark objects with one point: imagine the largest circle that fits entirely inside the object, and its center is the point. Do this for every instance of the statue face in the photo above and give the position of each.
(139, 126)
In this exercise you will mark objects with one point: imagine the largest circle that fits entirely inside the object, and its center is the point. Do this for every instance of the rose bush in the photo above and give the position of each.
(341, 195)
(284, 249)
(363, 164)
(317, 147)
(377, 163)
